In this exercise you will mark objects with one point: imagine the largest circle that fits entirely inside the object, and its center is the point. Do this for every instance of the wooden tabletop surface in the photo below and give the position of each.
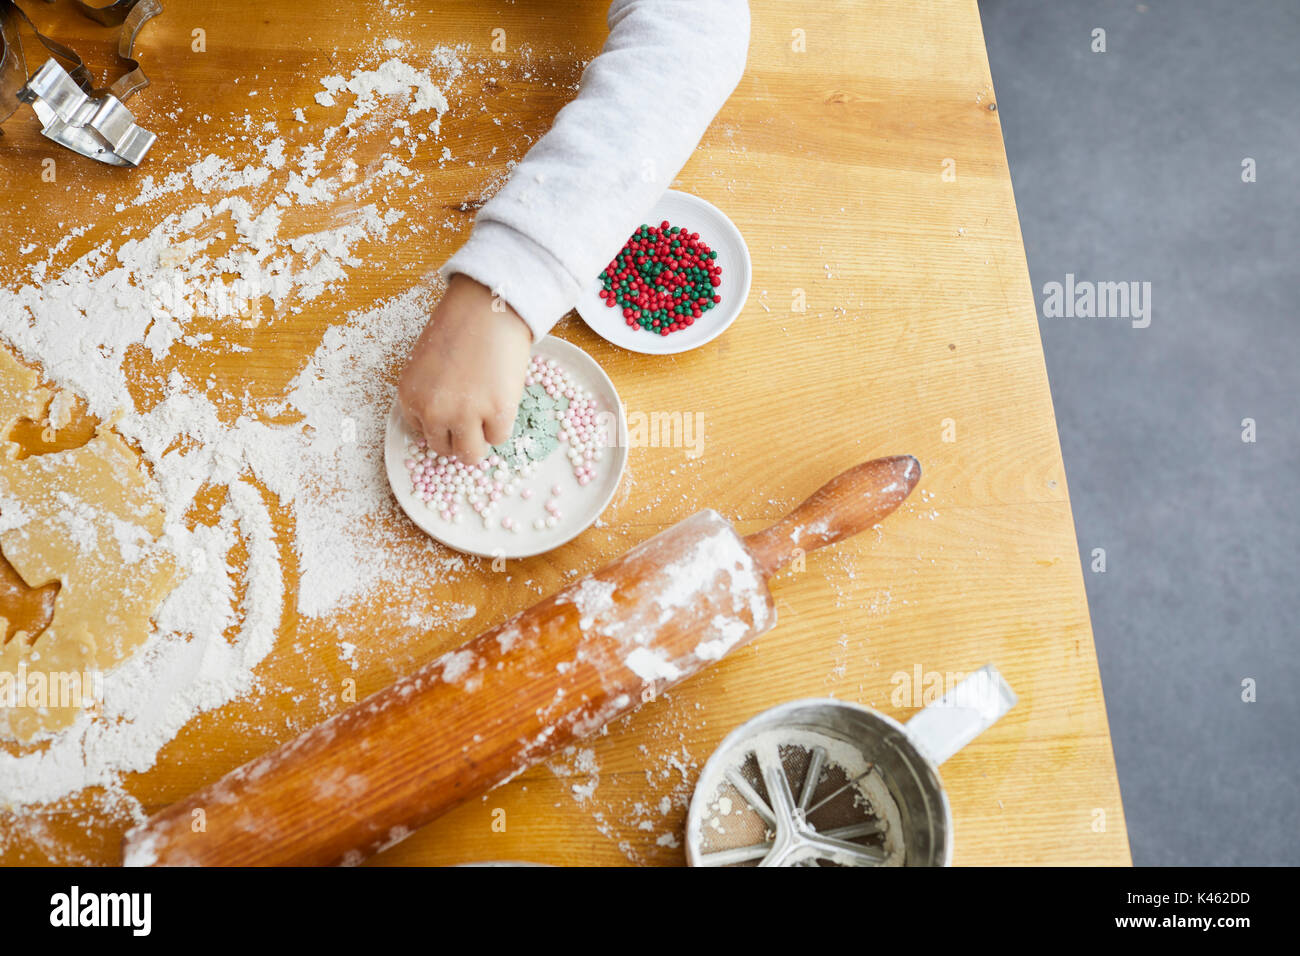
(891, 312)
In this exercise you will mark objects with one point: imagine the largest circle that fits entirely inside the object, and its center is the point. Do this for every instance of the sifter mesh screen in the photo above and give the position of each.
(851, 805)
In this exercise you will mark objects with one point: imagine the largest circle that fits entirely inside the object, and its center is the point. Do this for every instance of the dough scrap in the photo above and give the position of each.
(89, 518)
(21, 394)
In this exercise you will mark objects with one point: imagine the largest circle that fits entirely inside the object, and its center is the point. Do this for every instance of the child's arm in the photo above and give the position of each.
(665, 71)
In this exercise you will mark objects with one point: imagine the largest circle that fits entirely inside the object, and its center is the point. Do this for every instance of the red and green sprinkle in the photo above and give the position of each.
(663, 279)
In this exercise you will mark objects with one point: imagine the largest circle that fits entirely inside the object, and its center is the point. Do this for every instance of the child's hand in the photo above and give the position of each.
(462, 384)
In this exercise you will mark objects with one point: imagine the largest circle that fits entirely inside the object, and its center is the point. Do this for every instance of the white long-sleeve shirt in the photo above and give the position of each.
(573, 200)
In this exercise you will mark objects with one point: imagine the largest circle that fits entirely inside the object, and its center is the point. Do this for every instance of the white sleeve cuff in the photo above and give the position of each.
(531, 280)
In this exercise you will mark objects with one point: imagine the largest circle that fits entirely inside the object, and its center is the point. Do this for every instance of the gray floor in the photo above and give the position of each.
(1127, 165)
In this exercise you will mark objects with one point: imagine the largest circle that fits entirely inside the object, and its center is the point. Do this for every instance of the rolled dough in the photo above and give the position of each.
(89, 518)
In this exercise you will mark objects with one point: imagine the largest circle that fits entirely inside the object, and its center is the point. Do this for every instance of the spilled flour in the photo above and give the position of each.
(265, 518)
(264, 241)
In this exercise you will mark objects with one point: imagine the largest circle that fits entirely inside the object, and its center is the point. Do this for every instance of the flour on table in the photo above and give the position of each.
(119, 531)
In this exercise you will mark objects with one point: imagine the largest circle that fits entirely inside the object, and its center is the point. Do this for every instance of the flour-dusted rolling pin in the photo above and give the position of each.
(478, 716)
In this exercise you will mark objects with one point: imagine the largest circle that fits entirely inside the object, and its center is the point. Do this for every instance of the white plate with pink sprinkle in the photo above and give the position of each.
(539, 489)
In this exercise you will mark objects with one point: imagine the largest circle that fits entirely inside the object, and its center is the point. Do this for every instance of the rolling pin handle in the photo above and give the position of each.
(852, 502)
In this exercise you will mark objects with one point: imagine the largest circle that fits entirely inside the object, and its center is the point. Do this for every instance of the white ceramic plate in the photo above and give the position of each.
(580, 505)
(693, 213)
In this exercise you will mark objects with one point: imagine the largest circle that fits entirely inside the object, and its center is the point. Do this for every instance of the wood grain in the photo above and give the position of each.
(918, 335)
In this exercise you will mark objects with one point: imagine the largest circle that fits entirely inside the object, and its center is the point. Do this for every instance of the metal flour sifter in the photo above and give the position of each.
(823, 782)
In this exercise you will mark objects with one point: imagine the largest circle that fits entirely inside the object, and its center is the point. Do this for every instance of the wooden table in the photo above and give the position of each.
(868, 175)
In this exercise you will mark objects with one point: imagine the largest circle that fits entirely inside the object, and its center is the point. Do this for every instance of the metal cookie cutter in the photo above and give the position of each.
(73, 113)
(823, 782)
(98, 127)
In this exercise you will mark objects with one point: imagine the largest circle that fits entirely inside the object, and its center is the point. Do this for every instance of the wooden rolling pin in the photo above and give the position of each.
(480, 715)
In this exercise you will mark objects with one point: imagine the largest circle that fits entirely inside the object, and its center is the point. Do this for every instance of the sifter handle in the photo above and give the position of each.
(962, 714)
